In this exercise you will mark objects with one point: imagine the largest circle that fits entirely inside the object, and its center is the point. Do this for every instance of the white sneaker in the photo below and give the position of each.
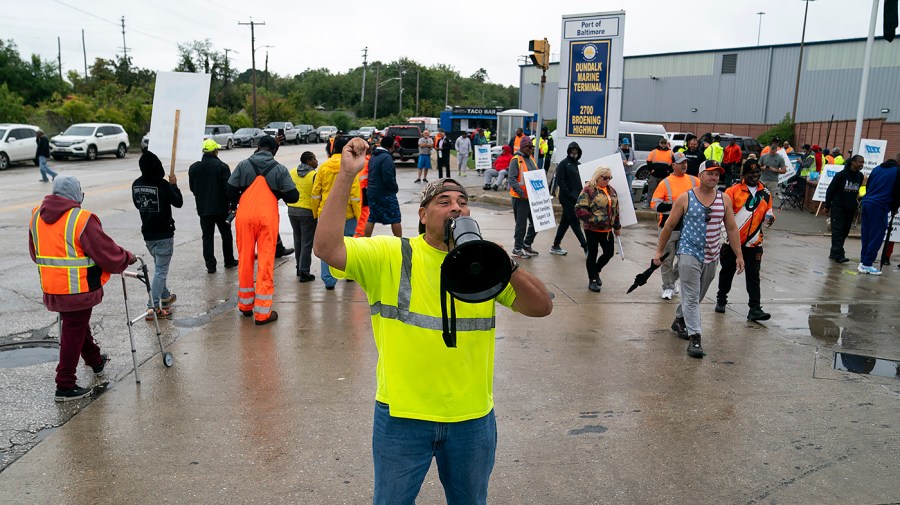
(867, 270)
(677, 289)
(667, 294)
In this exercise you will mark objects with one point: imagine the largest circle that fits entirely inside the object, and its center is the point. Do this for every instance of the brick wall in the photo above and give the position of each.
(841, 134)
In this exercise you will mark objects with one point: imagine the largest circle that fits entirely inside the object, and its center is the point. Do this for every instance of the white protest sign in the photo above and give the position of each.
(894, 229)
(789, 167)
(872, 152)
(187, 93)
(828, 173)
(539, 199)
(627, 216)
(483, 157)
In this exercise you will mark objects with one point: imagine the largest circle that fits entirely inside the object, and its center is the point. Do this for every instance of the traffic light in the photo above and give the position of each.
(540, 53)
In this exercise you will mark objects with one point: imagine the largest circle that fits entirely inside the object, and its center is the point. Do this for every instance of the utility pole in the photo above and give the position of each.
(84, 50)
(124, 46)
(362, 93)
(417, 92)
(227, 68)
(800, 64)
(253, 62)
(447, 94)
(267, 70)
(59, 56)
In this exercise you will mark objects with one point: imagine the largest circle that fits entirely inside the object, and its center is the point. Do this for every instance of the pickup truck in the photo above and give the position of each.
(409, 141)
(291, 134)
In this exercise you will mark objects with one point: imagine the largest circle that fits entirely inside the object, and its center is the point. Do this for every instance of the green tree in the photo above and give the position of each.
(12, 106)
(33, 80)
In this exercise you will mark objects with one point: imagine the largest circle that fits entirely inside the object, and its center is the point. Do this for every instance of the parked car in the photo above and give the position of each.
(325, 132)
(88, 140)
(221, 133)
(291, 134)
(748, 145)
(366, 132)
(17, 143)
(248, 137)
(643, 138)
(676, 139)
(306, 133)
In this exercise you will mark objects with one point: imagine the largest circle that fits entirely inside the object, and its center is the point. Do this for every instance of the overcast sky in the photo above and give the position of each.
(465, 34)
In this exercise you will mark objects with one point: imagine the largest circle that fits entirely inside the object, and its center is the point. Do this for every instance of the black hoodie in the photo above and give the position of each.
(567, 177)
(154, 197)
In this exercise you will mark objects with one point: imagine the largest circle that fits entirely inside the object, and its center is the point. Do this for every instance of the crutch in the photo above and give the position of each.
(144, 277)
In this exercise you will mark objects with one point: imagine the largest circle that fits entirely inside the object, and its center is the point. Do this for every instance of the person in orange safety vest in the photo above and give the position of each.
(255, 187)
(752, 206)
(75, 259)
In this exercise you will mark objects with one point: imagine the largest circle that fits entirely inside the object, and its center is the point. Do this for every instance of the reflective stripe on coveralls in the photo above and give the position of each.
(256, 231)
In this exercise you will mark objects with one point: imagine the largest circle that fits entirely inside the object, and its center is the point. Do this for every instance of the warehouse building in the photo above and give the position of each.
(746, 91)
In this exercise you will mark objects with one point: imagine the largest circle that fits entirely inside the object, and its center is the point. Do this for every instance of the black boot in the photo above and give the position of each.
(695, 350)
(680, 328)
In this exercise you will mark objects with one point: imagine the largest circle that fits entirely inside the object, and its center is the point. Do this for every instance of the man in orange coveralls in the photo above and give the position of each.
(254, 189)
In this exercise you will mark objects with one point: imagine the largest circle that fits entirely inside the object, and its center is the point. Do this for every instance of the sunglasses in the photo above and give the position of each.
(708, 212)
(605, 178)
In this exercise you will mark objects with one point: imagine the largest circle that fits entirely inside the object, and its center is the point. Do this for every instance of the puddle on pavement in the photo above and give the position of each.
(27, 355)
(832, 323)
(868, 365)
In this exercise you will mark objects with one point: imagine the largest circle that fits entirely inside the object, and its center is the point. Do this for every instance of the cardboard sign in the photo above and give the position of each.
(483, 157)
(627, 216)
(828, 173)
(872, 152)
(189, 94)
(790, 168)
(539, 199)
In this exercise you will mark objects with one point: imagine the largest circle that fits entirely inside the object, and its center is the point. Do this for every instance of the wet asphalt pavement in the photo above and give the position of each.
(597, 403)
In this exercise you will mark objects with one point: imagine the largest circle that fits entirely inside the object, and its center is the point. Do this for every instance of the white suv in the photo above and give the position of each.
(17, 143)
(87, 140)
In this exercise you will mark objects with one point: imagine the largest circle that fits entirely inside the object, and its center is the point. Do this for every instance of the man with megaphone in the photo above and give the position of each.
(433, 400)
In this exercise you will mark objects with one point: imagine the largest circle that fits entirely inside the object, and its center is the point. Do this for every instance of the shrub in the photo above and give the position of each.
(783, 130)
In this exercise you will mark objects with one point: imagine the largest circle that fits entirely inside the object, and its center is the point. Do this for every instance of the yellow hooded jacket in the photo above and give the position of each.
(325, 176)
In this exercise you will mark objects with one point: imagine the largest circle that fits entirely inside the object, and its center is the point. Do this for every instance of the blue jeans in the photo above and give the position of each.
(162, 251)
(45, 170)
(402, 450)
(349, 229)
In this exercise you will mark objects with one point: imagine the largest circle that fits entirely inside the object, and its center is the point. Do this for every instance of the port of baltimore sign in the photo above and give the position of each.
(588, 84)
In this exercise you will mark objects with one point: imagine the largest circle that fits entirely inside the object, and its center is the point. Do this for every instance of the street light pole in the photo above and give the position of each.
(379, 85)
(375, 111)
(400, 106)
(800, 63)
(759, 31)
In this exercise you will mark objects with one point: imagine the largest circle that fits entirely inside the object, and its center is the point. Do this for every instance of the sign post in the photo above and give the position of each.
(591, 72)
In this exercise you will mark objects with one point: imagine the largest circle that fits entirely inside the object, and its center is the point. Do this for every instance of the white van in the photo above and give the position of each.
(643, 138)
